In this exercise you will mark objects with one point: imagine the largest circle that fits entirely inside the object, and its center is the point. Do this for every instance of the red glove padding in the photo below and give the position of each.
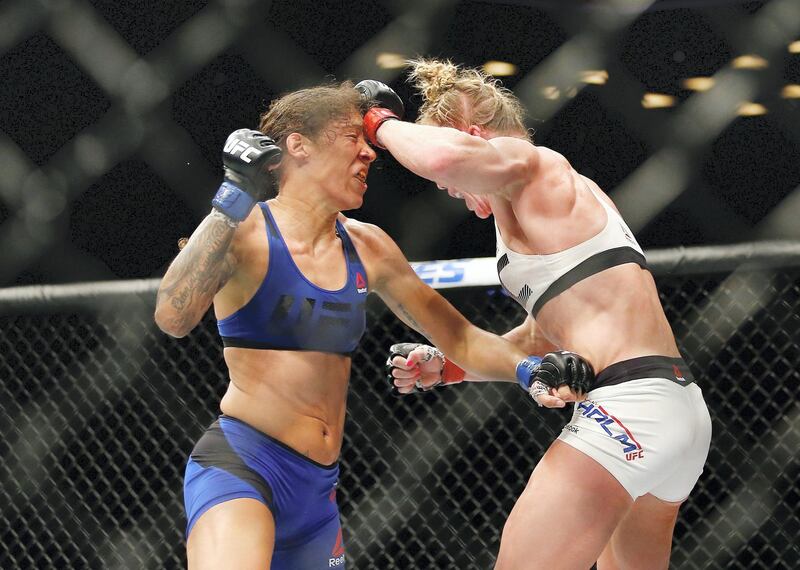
(451, 373)
(373, 119)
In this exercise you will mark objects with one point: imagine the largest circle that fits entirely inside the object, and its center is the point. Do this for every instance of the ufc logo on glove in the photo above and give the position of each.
(244, 150)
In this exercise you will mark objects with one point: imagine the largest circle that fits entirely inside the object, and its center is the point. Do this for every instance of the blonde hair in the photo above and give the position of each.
(459, 97)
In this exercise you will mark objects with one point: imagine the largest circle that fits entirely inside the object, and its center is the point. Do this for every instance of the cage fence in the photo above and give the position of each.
(99, 410)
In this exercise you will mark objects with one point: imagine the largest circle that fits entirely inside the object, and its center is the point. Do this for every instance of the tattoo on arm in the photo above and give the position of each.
(199, 271)
(410, 321)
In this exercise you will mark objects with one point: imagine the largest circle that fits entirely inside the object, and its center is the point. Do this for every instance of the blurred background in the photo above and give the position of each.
(112, 119)
(114, 114)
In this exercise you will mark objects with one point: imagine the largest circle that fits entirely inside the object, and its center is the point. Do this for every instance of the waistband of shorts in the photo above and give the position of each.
(260, 434)
(673, 369)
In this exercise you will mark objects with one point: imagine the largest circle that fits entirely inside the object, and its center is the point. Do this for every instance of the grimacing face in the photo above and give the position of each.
(342, 159)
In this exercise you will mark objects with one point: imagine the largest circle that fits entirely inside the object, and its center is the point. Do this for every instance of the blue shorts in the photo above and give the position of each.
(233, 460)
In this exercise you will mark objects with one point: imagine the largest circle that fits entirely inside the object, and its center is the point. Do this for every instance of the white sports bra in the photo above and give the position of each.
(535, 279)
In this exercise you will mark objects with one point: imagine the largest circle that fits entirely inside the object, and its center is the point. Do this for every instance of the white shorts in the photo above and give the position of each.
(651, 434)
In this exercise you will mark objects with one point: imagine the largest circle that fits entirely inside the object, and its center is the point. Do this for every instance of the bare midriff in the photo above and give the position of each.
(296, 397)
(608, 317)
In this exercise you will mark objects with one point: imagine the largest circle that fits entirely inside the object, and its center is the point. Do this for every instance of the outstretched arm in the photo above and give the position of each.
(528, 338)
(411, 362)
(473, 349)
(480, 353)
(449, 157)
(455, 159)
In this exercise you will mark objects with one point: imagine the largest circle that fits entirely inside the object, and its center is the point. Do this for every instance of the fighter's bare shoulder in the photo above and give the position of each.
(378, 251)
(369, 239)
(518, 148)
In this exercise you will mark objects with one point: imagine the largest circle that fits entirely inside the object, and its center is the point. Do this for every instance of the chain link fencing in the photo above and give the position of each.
(99, 411)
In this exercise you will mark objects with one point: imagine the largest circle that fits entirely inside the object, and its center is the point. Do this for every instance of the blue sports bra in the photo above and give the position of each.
(288, 312)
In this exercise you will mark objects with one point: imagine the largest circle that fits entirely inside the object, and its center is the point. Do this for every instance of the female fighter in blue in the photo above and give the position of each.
(288, 279)
(609, 488)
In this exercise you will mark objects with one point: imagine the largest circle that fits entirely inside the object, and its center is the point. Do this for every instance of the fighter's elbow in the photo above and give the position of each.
(170, 323)
(175, 333)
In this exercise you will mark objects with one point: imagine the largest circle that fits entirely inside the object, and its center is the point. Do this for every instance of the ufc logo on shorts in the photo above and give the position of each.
(244, 150)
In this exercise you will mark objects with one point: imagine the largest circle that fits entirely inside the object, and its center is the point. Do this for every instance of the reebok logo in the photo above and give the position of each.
(244, 150)
(678, 375)
(337, 554)
(625, 232)
(361, 283)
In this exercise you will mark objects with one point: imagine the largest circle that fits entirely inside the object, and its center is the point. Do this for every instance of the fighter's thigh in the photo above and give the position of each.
(237, 534)
(643, 539)
(565, 515)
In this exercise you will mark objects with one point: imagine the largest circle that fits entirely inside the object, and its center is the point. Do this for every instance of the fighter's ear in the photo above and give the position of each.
(475, 131)
(297, 145)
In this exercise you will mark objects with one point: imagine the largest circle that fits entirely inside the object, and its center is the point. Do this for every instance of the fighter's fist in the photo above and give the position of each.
(413, 367)
(556, 378)
(247, 157)
(383, 105)
(377, 94)
(563, 369)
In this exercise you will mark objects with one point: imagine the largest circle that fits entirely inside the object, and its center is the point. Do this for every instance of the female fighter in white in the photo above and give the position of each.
(609, 488)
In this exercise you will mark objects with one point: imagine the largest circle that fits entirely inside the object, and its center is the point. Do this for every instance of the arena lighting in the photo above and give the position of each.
(584, 50)
(791, 91)
(657, 101)
(499, 68)
(702, 117)
(411, 31)
(794, 47)
(698, 83)
(389, 60)
(749, 109)
(551, 92)
(594, 76)
(749, 61)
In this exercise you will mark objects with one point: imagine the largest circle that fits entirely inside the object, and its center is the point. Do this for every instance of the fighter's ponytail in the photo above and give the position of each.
(460, 97)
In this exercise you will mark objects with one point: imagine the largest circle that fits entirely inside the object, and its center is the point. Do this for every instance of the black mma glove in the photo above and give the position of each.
(383, 105)
(377, 94)
(564, 368)
(246, 158)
